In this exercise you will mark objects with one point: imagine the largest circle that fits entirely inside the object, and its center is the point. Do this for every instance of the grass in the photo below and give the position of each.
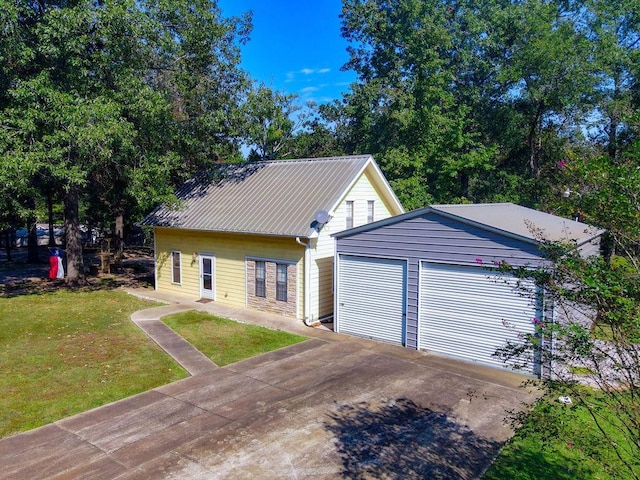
(66, 352)
(225, 341)
(561, 442)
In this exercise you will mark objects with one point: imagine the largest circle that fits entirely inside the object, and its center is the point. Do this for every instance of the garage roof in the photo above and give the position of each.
(523, 222)
(532, 226)
(269, 198)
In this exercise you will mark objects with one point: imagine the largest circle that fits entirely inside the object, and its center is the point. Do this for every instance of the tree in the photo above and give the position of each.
(404, 106)
(614, 29)
(595, 338)
(118, 98)
(478, 100)
(272, 119)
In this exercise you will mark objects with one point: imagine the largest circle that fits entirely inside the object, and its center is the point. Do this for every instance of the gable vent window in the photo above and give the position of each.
(261, 290)
(370, 210)
(281, 282)
(349, 213)
(176, 274)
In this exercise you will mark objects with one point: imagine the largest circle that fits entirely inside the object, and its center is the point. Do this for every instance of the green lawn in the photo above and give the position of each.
(225, 341)
(561, 442)
(66, 352)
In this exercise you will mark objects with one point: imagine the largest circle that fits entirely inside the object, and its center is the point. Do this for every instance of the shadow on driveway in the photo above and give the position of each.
(402, 440)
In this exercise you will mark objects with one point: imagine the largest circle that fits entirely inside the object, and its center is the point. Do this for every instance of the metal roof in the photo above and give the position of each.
(524, 222)
(529, 225)
(270, 198)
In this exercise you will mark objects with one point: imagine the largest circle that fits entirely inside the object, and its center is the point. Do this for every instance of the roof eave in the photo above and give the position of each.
(308, 234)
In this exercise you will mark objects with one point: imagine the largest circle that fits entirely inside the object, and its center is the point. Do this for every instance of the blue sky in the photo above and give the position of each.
(295, 46)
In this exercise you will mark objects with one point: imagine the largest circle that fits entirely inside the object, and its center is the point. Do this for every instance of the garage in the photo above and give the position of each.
(427, 279)
(470, 312)
(381, 316)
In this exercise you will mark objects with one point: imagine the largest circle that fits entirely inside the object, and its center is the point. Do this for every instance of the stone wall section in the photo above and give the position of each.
(269, 303)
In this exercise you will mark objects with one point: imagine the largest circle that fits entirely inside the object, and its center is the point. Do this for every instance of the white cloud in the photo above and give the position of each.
(324, 70)
(289, 77)
(307, 71)
(308, 89)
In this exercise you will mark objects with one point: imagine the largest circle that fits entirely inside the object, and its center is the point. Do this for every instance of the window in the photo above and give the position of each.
(370, 210)
(281, 282)
(349, 213)
(261, 290)
(176, 276)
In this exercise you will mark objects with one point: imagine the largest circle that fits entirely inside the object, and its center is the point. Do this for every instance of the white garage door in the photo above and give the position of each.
(470, 312)
(372, 298)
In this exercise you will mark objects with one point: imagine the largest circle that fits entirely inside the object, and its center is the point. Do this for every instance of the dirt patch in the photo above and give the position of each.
(17, 277)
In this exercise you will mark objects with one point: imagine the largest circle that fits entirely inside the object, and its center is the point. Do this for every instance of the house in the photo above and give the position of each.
(428, 280)
(259, 234)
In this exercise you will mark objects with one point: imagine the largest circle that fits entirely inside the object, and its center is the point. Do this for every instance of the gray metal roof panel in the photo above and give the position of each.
(524, 222)
(270, 198)
(527, 224)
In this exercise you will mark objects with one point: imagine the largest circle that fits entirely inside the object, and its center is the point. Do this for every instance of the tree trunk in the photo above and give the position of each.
(75, 270)
(52, 238)
(8, 243)
(119, 236)
(32, 252)
(614, 119)
(533, 141)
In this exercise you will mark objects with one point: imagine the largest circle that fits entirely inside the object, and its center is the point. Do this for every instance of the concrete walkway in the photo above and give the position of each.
(240, 314)
(177, 347)
(331, 407)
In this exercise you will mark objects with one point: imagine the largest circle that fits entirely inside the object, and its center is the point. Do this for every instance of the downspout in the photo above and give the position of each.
(155, 260)
(307, 280)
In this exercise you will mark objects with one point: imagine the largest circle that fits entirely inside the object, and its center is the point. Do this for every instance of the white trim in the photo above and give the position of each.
(372, 204)
(350, 213)
(155, 260)
(387, 192)
(404, 263)
(534, 304)
(267, 259)
(201, 256)
(307, 281)
(173, 280)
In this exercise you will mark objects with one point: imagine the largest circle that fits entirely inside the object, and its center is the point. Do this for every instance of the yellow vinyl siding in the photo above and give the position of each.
(230, 252)
(363, 190)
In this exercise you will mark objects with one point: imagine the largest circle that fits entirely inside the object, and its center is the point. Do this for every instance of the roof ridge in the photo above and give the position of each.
(456, 205)
(308, 159)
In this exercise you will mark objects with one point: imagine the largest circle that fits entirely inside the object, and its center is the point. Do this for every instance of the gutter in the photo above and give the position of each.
(307, 280)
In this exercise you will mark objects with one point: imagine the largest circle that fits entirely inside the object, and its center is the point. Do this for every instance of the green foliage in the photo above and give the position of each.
(117, 101)
(405, 106)
(271, 121)
(592, 338)
(480, 100)
(557, 441)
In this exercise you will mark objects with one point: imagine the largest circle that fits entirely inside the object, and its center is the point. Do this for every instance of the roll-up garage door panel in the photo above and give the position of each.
(465, 312)
(371, 298)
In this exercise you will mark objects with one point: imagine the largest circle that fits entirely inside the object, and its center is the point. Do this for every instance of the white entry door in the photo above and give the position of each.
(207, 276)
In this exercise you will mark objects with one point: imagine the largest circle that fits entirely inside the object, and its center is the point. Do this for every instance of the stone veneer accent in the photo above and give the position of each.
(269, 303)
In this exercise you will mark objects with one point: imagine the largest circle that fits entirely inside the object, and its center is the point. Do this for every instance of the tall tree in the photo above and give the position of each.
(121, 98)
(404, 106)
(614, 29)
(272, 119)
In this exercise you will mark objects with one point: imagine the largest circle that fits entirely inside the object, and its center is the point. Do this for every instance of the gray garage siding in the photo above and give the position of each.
(436, 238)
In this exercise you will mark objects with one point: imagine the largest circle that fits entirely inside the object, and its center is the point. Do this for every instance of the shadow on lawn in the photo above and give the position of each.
(525, 464)
(402, 440)
(21, 278)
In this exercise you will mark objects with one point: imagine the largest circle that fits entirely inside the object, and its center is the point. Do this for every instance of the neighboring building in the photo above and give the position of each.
(427, 279)
(259, 234)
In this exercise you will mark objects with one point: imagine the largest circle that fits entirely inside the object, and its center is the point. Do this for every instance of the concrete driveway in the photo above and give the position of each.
(330, 407)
